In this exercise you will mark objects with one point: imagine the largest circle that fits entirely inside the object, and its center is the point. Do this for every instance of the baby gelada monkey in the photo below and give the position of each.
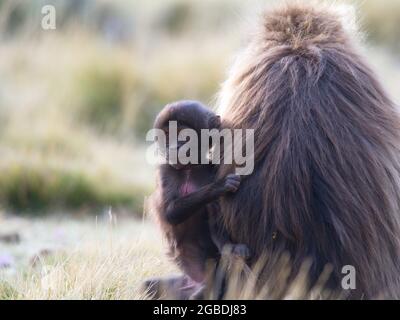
(186, 199)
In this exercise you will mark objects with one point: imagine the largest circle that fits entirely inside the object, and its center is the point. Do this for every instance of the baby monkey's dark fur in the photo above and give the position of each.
(186, 201)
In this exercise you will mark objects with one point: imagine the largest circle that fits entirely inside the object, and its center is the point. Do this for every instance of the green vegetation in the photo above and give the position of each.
(102, 93)
(381, 21)
(35, 189)
(76, 102)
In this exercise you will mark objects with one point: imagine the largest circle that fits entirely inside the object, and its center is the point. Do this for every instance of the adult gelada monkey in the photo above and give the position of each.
(326, 182)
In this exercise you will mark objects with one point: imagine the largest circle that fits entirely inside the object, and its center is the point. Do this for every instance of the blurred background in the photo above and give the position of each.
(77, 101)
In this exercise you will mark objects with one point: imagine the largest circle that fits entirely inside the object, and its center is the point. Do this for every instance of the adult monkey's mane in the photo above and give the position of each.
(326, 183)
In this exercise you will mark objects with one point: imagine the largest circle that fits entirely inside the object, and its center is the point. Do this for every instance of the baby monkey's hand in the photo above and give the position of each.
(232, 183)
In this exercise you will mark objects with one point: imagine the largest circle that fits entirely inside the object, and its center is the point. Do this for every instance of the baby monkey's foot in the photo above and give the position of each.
(241, 251)
(237, 250)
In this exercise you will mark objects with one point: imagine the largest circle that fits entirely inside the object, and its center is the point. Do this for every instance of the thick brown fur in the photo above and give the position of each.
(326, 183)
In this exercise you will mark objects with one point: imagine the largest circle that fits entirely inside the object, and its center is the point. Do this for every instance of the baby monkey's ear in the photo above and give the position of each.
(214, 122)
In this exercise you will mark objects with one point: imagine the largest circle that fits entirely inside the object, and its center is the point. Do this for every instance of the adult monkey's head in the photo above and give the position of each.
(326, 183)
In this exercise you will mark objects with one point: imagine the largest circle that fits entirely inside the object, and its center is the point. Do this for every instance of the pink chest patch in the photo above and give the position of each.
(187, 187)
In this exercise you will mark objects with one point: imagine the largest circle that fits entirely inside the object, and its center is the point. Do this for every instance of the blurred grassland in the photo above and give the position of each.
(110, 258)
(81, 259)
(76, 102)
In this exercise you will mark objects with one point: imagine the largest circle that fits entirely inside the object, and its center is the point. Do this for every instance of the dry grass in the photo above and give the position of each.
(77, 259)
(107, 258)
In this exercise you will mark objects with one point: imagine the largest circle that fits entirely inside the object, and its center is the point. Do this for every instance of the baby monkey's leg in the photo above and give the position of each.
(176, 287)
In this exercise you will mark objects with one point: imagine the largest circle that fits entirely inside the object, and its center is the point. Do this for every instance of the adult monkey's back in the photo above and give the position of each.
(326, 183)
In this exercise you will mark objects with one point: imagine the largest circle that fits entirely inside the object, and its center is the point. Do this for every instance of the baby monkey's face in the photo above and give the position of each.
(182, 123)
(174, 143)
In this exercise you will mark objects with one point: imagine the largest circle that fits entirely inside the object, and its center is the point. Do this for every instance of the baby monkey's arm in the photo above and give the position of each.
(184, 207)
